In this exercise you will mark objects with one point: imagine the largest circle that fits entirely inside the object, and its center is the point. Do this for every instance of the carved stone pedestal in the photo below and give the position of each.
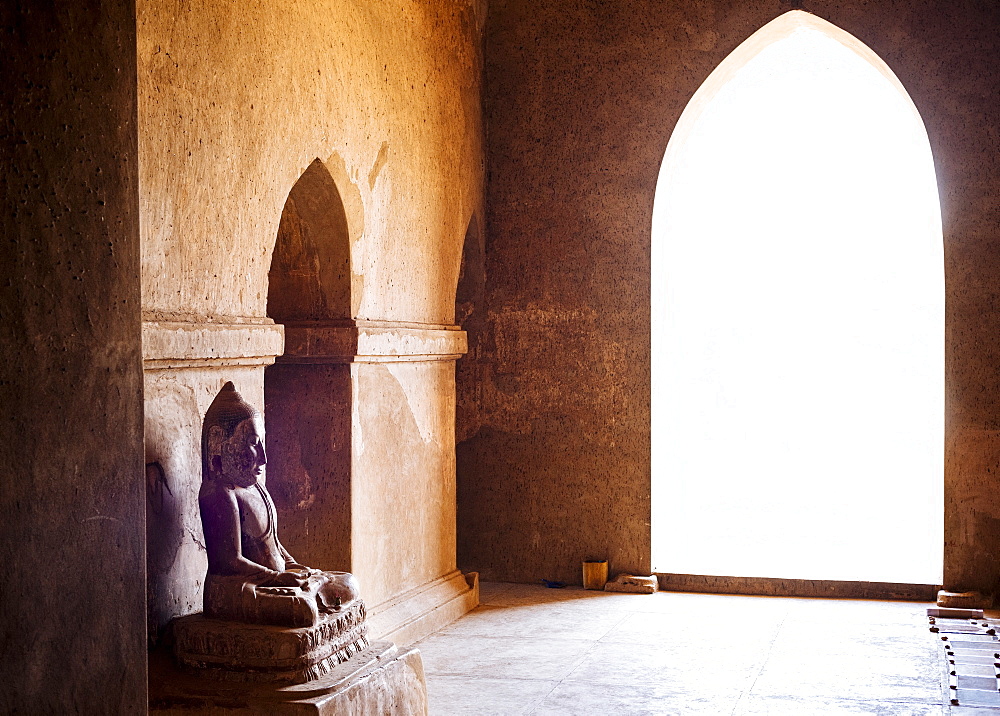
(380, 679)
(234, 651)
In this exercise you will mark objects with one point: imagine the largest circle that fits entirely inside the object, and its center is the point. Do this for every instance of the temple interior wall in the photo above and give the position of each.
(160, 141)
(405, 415)
(235, 102)
(579, 103)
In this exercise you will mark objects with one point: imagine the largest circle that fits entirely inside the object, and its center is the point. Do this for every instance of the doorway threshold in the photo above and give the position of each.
(778, 587)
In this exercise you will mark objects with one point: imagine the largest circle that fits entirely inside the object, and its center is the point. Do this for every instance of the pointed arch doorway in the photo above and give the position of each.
(798, 321)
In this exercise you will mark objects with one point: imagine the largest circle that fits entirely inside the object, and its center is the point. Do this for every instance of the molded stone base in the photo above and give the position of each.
(236, 651)
(422, 611)
(379, 680)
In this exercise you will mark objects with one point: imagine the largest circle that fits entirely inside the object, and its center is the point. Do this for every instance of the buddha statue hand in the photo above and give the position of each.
(337, 589)
(287, 578)
(279, 591)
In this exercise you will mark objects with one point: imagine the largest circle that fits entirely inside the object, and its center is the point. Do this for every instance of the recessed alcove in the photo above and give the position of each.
(471, 275)
(308, 402)
(310, 274)
(470, 316)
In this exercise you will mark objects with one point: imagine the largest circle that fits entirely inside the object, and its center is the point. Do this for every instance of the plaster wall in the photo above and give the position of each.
(404, 483)
(236, 100)
(72, 613)
(579, 102)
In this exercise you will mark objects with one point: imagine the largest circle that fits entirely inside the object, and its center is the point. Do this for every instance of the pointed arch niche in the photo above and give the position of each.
(798, 321)
(308, 391)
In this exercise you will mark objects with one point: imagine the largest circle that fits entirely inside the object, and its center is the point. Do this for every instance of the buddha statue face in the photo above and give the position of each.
(240, 458)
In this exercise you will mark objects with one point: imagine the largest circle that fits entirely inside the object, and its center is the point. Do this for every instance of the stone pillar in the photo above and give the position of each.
(72, 613)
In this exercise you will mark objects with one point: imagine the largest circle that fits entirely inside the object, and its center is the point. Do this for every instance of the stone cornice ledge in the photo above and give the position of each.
(169, 345)
(371, 342)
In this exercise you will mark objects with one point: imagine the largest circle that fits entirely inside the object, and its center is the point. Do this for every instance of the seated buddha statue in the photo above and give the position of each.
(251, 577)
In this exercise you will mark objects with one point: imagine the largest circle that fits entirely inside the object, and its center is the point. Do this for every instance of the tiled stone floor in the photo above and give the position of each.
(533, 650)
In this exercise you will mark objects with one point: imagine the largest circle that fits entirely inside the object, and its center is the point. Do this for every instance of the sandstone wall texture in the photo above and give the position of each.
(236, 102)
(579, 101)
(72, 604)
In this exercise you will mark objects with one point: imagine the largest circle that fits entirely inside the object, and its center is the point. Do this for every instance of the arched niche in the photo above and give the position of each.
(310, 274)
(798, 320)
(470, 316)
(471, 274)
(308, 394)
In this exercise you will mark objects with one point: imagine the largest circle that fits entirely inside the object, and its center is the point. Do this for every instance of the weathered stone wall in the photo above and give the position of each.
(580, 99)
(236, 100)
(72, 612)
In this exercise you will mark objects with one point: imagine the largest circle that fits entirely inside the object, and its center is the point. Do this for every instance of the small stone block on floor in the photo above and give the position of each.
(984, 683)
(975, 697)
(632, 584)
(954, 613)
(974, 658)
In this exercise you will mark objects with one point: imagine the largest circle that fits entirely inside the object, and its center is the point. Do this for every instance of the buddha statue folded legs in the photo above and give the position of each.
(316, 593)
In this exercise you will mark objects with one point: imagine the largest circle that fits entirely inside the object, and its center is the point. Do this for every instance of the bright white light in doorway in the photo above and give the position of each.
(798, 323)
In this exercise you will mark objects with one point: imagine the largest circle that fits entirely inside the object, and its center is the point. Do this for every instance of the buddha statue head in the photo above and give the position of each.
(231, 446)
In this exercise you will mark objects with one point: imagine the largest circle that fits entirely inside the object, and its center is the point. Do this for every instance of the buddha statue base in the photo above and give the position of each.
(237, 651)
(380, 679)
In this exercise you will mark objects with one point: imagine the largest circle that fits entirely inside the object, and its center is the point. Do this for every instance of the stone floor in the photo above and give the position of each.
(532, 650)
